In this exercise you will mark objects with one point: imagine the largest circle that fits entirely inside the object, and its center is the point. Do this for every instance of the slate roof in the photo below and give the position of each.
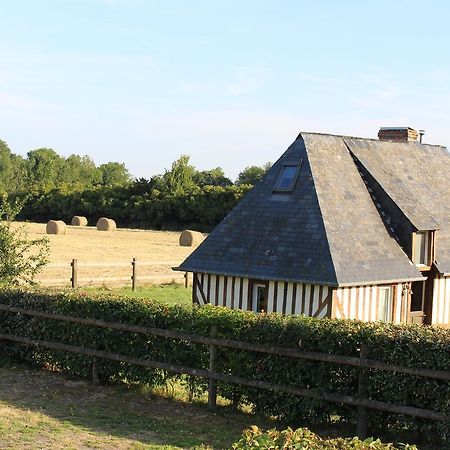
(326, 231)
(417, 178)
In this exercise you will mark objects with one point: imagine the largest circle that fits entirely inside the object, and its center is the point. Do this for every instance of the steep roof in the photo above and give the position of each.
(362, 249)
(417, 178)
(326, 231)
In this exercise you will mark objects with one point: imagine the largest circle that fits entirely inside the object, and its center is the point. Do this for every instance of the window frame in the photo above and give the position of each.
(288, 163)
(390, 304)
(428, 248)
(252, 304)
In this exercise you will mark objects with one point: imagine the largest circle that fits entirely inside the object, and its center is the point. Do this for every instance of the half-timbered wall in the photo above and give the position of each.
(361, 302)
(282, 297)
(441, 301)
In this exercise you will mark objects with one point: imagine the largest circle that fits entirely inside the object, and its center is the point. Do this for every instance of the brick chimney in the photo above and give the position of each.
(397, 134)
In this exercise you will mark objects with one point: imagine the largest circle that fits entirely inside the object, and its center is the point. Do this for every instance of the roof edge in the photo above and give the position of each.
(370, 283)
(257, 277)
(288, 280)
(343, 136)
(441, 272)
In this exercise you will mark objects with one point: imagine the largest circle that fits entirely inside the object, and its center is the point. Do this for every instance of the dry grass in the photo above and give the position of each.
(93, 247)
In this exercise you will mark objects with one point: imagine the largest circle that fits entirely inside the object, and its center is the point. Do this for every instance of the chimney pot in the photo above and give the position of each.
(397, 134)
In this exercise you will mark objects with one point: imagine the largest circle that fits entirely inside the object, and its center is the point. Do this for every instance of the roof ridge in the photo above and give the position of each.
(343, 136)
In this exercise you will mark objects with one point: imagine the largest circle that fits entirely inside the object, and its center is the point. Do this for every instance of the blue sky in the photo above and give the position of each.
(231, 83)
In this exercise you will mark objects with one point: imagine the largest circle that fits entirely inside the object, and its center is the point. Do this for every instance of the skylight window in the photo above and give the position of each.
(287, 177)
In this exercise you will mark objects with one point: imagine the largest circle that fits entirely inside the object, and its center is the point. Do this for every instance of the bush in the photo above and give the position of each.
(200, 208)
(21, 258)
(304, 439)
(411, 346)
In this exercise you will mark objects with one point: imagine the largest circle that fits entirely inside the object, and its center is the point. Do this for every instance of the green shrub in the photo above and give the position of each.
(411, 346)
(21, 258)
(304, 439)
(200, 208)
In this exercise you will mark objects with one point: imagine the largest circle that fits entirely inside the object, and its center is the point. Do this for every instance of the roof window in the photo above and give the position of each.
(287, 176)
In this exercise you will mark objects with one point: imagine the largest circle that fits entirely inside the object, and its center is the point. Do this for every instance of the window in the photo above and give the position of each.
(385, 304)
(287, 177)
(421, 252)
(259, 298)
(417, 295)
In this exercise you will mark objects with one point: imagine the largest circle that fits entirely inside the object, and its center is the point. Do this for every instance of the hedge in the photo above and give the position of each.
(202, 209)
(407, 345)
(302, 438)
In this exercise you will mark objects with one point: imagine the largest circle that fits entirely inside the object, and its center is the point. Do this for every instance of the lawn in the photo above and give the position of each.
(170, 294)
(41, 409)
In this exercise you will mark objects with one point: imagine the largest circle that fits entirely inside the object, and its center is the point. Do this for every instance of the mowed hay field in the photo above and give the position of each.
(103, 255)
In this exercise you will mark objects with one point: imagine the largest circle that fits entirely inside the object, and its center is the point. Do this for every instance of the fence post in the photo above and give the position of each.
(74, 278)
(94, 371)
(212, 384)
(186, 280)
(133, 276)
(361, 427)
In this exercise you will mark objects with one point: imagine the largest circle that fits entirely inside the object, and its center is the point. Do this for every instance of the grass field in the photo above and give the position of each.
(100, 250)
(170, 294)
(45, 410)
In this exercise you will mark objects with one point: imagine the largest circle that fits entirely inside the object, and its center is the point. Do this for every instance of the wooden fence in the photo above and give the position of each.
(135, 277)
(360, 400)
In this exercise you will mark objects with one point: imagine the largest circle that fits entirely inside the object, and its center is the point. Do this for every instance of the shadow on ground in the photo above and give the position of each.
(106, 411)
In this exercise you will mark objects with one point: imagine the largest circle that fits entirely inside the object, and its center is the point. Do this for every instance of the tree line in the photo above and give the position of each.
(51, 186)
(43, 170)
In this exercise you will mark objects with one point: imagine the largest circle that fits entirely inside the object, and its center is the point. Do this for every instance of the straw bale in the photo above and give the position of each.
(189, 238)
(56, 227)
(105, 224)
(79, 221)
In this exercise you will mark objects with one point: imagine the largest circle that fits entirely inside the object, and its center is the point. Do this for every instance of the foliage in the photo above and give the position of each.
(302, 438)
(44, 170)
(133, 206)
(20, 258)
(114, 174)
(53, 186)
(213, 177)
(252, 175)
(411, 346)
(179, 179)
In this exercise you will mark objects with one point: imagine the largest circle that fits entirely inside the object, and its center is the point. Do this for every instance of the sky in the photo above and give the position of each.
(230, 83)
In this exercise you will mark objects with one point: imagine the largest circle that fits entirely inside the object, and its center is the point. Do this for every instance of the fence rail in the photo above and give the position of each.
(135, 276)
(360, 401)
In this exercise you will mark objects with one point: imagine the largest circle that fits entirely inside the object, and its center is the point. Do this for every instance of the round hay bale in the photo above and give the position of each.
(189, 238)
(105, 224)
(56, 227)
(79, 221)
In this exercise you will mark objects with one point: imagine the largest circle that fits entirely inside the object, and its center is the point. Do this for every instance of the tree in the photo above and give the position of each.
(180, 178)
(114, 174)
(45, 167)
(80, 172)
(21, 258)
(12, 170)
(213, 177)
(252, 174)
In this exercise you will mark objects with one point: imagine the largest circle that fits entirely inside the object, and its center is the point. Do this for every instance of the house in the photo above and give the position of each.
(340, 227)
